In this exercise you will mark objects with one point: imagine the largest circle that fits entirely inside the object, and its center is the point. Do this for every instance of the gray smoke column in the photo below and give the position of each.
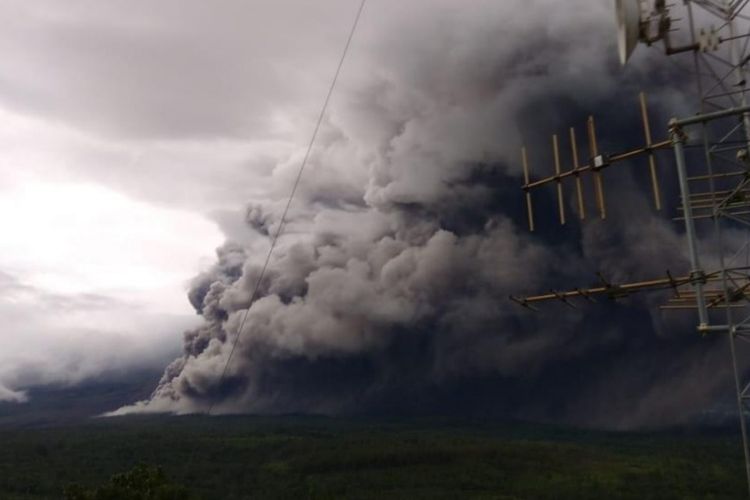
(388, 290)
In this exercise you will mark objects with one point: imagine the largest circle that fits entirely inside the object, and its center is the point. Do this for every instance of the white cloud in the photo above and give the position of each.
(94, 279)
(83, 238)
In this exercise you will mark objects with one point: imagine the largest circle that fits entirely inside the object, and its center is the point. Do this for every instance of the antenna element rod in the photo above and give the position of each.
(651, 159)
(529, 207)
(594, 152)
(560, 200)
(579, 188)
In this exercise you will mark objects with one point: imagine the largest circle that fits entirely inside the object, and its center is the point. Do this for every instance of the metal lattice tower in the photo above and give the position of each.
(710, 41)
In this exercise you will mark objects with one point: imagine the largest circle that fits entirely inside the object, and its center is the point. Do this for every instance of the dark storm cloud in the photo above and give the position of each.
(160, 69)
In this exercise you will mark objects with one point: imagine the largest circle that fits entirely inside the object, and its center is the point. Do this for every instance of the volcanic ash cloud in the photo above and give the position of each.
(388, 290)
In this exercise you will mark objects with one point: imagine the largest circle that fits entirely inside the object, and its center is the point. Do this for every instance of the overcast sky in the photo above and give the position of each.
(132, 134)
(125, 129)
(136, 138)
(128, 131)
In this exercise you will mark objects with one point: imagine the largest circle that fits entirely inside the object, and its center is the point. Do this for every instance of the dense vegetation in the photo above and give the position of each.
(295, 458)
(144, 482)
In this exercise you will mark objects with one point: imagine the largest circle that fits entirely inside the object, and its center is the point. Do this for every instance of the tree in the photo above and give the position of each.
(143, 482)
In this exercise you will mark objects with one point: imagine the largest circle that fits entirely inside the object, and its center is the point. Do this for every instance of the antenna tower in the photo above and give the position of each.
(709, 39)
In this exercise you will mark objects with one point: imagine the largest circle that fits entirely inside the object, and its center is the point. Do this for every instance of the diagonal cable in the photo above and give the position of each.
(284, 215)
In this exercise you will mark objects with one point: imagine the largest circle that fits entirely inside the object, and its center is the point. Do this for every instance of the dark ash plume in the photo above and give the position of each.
(388, 291)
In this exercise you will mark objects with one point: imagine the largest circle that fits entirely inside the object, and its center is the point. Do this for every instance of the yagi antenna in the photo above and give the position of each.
(714, 186)
(594, 165)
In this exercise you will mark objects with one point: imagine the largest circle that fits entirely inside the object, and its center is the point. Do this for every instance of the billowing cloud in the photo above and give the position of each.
(79, 295)
(388, 290)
